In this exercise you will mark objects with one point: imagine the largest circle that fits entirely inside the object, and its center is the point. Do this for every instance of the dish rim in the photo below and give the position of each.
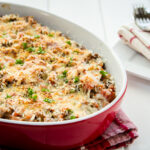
(119, 96)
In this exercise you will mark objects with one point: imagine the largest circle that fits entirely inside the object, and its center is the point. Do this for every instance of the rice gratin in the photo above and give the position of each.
(45, 76)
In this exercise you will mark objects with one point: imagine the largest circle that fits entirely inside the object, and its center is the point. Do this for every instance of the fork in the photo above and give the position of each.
(142, 18)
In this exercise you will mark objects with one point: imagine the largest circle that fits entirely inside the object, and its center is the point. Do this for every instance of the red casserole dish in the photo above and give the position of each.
(71, 133)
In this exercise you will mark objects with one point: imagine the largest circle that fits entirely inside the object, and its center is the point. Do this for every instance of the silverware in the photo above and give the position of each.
(142, 18)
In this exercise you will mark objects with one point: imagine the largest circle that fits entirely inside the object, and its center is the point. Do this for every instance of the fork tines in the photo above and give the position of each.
(140, 12)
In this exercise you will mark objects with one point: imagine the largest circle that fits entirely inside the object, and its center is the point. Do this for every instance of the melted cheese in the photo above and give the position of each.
(45, 76)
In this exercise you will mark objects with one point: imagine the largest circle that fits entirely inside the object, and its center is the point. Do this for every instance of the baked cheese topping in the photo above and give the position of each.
(45, 76)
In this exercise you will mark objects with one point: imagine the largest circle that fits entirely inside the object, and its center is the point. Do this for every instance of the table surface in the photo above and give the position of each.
(103, 18)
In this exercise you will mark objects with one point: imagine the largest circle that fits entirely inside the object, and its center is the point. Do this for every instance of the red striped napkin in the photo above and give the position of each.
(136, 39)
(120, 133)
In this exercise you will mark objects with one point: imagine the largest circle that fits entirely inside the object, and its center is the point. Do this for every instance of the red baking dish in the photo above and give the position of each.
(71, 133)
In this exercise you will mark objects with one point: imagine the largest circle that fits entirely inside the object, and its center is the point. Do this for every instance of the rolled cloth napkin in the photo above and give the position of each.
(136, 39)
(120, 133)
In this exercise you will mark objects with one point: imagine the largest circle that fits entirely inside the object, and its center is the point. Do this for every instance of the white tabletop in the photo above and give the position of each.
(103, 18)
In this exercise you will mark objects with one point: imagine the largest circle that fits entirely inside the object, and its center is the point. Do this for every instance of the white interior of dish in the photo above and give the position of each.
(81, 36)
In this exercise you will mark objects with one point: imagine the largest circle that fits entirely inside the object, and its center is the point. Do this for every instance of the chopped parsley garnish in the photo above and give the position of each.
(51, 35)
(70, 62)
(104, 73)
(66, 81)
(48, 100)
(76, 79)
(71, 59)
(70, 111)
(19, 61)
(37, 36)
(72, 117)
(76, 51)
(30, 92)
(64, 73)
(69, 42)
(8, 96)
(30, 49)
(34, 97)
(40, 50)
(45, 90)
(25, 45)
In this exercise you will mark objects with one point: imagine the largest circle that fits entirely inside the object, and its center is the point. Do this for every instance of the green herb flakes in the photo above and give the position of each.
(40, 50)
(50, 35)
(30, 49)
(19, 61)
(25, 45)
(70, 111)
(37, 36)
(76, 79)
(34, 97)
(8, 96)
(48, 100)
(64, 73)
(30, 92)
(76, 51)
(69, 43)
(45, 90)
(66, 81)
(104, 73)
(72, 117)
